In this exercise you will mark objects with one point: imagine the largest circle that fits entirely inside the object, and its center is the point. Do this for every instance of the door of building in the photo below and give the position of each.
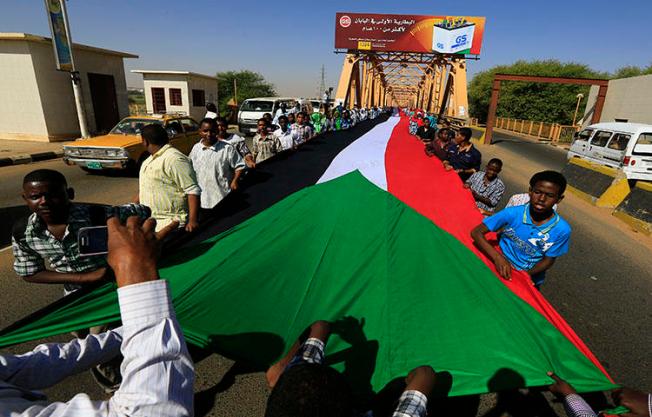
(158, 100)
(105, 103)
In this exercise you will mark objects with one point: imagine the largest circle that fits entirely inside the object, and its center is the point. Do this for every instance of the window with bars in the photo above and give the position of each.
(198, 98)
(175, 97)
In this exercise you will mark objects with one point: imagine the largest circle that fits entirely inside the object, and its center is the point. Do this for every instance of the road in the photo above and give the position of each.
(602, 287)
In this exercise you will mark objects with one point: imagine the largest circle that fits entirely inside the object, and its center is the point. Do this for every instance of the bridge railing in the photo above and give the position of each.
(544, 131)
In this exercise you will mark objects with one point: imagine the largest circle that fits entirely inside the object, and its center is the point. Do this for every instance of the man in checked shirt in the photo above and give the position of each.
(49, 235)
(302, 385)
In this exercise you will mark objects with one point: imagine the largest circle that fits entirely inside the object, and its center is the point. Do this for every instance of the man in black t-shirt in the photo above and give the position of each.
(426, 133)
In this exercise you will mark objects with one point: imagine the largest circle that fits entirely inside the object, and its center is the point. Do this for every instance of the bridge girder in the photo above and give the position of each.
(430, 81)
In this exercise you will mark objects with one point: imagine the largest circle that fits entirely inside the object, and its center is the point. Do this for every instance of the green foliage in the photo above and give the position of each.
(136, 97)
(250, 84)
(531, 101)
(537, 101)
(632, 71)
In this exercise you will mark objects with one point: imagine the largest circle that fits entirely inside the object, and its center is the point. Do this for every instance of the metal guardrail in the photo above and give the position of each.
(553, 132)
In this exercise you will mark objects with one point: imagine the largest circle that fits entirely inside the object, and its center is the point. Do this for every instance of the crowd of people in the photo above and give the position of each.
(156, 374)
(532, 235)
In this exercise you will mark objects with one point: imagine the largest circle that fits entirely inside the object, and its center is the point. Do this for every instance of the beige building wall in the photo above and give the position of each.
(209, 86)
(38, 101)
(185, 82)
(19, 93)
(627, 99)
(56, 88)
(166, 81)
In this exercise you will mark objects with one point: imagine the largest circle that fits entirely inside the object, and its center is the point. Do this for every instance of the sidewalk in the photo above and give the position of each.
(14, 152)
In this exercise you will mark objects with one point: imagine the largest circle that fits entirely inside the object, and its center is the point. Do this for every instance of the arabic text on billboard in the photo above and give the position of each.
(60, 38)
(409, 33)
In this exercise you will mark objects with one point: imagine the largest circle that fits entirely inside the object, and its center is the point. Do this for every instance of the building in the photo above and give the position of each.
(178, 91)
(627, 100)
(37, 100)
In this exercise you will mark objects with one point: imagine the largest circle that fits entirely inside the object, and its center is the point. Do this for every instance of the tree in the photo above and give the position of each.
(632, 71)
(531, 101)
(250, 84)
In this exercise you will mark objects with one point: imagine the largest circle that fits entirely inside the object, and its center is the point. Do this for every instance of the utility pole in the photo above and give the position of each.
(580, 96)
(63, 54)
(322, 83)
(235, 91)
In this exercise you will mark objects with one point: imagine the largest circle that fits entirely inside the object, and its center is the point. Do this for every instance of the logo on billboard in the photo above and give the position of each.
(345, 21)
(460, 41)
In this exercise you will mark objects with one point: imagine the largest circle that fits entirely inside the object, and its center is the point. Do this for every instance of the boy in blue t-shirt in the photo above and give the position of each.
(533, 235)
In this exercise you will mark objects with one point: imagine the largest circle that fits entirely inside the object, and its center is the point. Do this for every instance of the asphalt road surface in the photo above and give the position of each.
(603, 287)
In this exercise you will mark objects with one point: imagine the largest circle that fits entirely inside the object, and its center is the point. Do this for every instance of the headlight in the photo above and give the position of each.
(71, 151)
(116, 153)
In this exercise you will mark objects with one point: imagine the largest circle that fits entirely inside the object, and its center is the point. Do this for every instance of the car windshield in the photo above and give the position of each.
(585, 134)
(254, 105)
(132, 126)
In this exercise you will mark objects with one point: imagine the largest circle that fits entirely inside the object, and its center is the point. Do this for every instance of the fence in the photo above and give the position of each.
(544, 131)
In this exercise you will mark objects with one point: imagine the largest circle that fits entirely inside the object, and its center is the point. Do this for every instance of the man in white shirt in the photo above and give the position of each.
(281, 111)
(218, 165)
(238, 142)
(157, 371)
(284, 133)
(211, 111)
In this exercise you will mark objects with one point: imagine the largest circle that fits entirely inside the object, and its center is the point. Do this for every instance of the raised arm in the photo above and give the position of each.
(157, 370)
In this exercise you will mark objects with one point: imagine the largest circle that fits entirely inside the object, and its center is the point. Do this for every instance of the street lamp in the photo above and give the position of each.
(580, 96)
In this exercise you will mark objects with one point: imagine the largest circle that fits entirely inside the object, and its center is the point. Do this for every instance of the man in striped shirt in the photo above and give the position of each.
(167, 182)
(487, 189)
(638, 403)
(218, 165)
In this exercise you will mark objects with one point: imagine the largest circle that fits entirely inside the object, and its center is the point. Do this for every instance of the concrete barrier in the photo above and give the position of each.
(636, 209)
(599, 185)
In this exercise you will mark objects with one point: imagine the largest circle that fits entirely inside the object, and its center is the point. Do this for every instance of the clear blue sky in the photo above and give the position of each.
(288, 43)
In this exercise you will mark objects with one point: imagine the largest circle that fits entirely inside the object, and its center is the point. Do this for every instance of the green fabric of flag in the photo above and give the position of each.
(403, 293)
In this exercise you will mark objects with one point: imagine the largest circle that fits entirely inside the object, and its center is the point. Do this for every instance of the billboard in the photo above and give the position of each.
(409, 33)
(60, 34)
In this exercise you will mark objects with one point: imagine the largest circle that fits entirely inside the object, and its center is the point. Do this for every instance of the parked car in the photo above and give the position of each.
(253, 109)
(618, 145)
(122, 147)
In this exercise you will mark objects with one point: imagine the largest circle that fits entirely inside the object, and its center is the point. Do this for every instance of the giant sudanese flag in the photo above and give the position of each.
(381, 246)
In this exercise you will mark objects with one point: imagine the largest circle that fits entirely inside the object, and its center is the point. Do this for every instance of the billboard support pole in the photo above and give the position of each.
(79, 103)
(460, 95)
(447, 91)
(63, 55)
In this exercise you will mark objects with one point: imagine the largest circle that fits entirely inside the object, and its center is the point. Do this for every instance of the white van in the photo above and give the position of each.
(618, 145)
(253, 109)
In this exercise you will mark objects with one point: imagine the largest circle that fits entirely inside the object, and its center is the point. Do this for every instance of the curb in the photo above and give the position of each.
(635, 211)
(598, 185)
(29, 158)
